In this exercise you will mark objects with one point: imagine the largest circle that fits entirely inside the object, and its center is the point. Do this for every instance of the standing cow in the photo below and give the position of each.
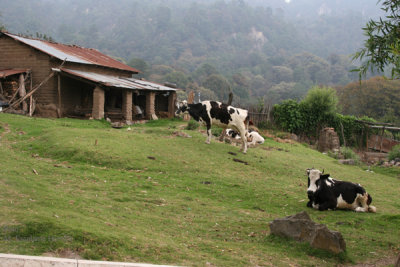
(325, 193)
(213, 112)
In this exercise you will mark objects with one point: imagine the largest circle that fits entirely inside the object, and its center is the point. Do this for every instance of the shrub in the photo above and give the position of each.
(348, 153)
(288, 116)
(394, 153)
(192, 125)
(216, 131)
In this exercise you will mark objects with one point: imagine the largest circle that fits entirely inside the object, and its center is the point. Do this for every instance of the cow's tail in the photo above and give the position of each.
(248, 122)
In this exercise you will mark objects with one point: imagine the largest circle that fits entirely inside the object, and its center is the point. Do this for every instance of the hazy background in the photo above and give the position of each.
(261, 50)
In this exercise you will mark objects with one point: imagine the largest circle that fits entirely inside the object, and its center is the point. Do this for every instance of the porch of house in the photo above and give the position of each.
(133, 100)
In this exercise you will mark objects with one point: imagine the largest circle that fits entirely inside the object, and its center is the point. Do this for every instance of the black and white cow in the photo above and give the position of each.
(253, 136)
(325, 193)
(213, 112)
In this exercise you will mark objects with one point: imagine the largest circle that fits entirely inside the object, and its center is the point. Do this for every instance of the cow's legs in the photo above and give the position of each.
(362, 200)
(243, 135)
(208, 140)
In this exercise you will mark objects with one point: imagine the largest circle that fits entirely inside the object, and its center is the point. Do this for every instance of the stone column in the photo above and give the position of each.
(171, 104)
(150, 106)
(98, 103)
(127, 105)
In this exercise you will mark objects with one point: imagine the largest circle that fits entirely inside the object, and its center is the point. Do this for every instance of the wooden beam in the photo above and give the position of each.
(375, 123)
(383, 131)
(59, 95)
(385, 127)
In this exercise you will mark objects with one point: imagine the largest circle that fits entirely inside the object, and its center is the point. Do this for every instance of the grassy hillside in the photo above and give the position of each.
(150, 195)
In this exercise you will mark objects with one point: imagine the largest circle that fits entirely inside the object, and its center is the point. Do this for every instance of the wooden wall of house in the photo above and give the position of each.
(74, 93)
(76, 97)
(14, 54)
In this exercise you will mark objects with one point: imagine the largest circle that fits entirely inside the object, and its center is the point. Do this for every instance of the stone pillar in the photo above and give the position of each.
(150, 106)
(171, 104)
(127, 105)
(98, 103)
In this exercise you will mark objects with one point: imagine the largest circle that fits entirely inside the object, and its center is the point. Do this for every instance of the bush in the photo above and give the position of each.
(216, 131)
(394, 153)
(192, 125)
(288, 116)
(348, 153)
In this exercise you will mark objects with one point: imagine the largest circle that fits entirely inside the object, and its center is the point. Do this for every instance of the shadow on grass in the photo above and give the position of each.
(299, 249)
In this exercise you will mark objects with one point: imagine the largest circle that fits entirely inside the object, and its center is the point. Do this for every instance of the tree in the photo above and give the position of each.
(2, 27)
(376, 97)
(382, 48)
(140, 65)
(219, 85)
(319, 105)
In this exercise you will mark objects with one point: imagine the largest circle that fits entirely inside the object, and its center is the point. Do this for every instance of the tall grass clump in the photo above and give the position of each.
(192, 125)
(394, 153)
(348, 153)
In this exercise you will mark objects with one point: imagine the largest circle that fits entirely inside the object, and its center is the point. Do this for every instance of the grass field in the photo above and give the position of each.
(150, 195)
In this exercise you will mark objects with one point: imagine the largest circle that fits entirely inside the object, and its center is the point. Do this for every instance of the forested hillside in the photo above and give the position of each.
(270, 50)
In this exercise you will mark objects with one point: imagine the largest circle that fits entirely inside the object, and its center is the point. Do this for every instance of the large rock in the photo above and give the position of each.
(301, 228)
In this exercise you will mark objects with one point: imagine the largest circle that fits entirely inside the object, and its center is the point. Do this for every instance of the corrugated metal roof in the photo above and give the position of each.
(117, 82)
(73, 53)
(9, 72)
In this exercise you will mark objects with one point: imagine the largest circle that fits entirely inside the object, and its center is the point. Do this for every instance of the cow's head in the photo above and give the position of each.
(182, 106)
(314, 179)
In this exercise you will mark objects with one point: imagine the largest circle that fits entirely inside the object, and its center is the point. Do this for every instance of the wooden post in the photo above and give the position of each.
(344, 138)
(22, 91)
(31, 104)
(59, 95)
(383, 131)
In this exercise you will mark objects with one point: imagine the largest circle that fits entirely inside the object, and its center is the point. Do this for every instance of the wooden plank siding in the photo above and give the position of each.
(13, 54)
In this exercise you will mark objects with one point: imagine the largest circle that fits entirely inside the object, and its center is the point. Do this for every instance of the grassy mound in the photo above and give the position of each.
(151, 195)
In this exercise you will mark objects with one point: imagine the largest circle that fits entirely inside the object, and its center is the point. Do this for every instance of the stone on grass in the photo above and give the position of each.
(301, 228)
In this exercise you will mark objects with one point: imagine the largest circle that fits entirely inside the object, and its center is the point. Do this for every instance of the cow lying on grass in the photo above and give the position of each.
(213, 112)
(325, 193)
(253, 136)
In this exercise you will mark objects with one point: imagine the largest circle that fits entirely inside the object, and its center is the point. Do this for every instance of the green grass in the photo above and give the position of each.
(148, 195)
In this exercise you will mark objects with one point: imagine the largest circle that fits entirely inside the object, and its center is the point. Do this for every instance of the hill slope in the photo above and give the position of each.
(149, 195)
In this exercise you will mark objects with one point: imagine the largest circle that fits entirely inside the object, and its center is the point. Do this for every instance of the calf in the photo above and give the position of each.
(213, 112)
(325, 193)
(253, 136)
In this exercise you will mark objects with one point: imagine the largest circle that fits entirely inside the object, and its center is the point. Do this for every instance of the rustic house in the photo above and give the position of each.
(68, 80)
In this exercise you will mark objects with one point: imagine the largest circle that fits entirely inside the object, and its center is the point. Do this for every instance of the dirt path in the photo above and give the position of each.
(6, 130)
(387, 261)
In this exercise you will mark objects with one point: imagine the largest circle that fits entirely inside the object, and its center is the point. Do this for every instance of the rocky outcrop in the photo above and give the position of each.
(301, 228)
(328, 140)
